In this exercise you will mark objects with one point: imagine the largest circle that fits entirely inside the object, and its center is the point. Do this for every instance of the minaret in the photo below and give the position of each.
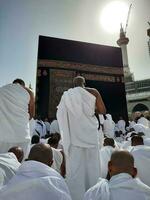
(122, 42)
(148, 34)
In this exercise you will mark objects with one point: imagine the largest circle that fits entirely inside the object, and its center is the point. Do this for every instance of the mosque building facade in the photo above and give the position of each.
(137, 92)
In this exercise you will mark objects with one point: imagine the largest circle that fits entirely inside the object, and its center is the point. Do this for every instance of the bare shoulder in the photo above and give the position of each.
(100, 107)
(31, 106)
(93, 91)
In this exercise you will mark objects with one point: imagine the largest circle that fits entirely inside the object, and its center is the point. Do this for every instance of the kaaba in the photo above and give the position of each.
(60, 60)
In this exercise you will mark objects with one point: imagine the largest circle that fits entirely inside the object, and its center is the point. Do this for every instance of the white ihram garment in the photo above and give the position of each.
(35, 181)
(109, 126)
(54, 127)
(141, 154)
(57, 159)
(121, 125)
(147, 141)
(141, 128)
(32, 123)
(40, 128)
(143, 121)
(105, 154)
(47, 124)
(131, 124)
(120, 187)
(14, 118)
(78, 127)
(8, 167)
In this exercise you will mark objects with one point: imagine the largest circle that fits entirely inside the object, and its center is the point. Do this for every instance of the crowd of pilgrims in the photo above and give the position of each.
(132, 137)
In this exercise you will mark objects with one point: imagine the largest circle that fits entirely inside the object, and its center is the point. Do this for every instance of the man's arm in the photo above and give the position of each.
(31, 105)
(100, 106)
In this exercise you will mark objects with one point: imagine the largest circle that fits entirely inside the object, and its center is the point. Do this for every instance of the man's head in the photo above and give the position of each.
(35, 139)
(46, 120)
(137, 140)
(133, 134)
(109, 142)
(79, 81)
(141, 134)
(137, 114)
(120, 118)
(18, 151)
(41, 153)
(38, 117)
(121, 162)
(54, 139)
(147, 114)
(20, 81)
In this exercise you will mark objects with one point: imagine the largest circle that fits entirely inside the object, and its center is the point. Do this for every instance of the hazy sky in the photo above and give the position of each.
(22, 21)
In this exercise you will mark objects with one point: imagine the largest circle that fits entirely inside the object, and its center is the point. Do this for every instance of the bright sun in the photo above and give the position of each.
(113, 15)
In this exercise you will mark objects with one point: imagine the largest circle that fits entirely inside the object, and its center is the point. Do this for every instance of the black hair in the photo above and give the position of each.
(35, 139)
(20, 81)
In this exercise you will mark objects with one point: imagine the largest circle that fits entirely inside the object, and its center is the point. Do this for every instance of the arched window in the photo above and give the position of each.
(140, 107)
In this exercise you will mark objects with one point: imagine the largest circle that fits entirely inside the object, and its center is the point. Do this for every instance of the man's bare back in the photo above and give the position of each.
(100, 107)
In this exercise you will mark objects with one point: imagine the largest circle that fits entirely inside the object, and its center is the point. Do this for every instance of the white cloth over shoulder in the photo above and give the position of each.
(147, 141)
(139, 128)
(32, 127)
(131, 124)
(121, 186)
(77, 122)
(47, 124)
(109, 126)
(143, 121)
(54, 127)
(100, 191)
(57, 159)
(36, 181)
(40, 128)
(8, 167)
(14, 117)
(121, 125)
(105, 154)
(142, 128)
(141, 154)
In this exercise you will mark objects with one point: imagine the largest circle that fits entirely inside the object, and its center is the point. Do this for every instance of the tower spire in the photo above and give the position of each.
(148, 34)
(122, 42)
